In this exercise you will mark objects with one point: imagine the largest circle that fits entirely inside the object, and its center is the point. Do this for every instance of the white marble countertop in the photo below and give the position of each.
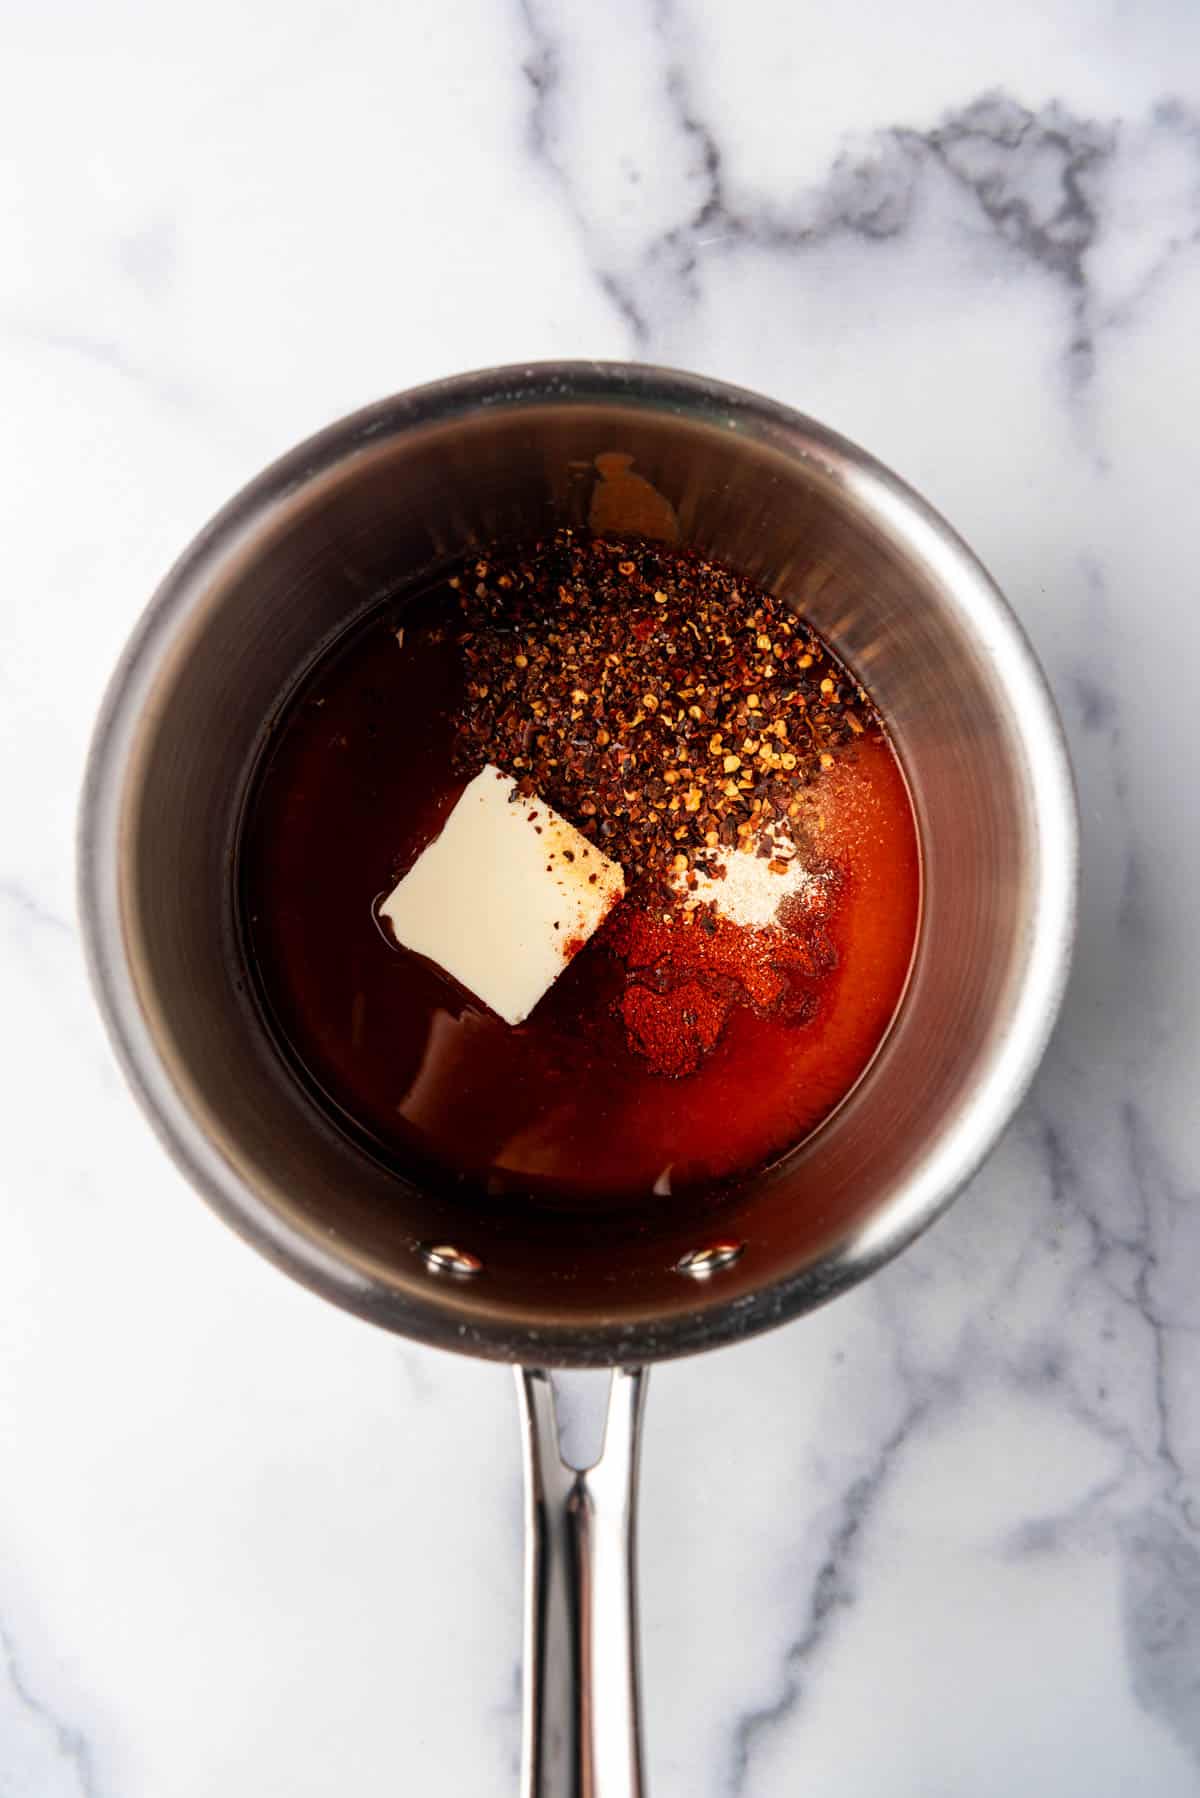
(941, 1538)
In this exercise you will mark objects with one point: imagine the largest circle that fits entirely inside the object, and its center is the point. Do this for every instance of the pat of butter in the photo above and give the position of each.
(504, 897)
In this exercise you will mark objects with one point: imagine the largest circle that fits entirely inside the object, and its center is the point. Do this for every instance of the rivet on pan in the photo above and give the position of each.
(444, 1258)
(701, 1263)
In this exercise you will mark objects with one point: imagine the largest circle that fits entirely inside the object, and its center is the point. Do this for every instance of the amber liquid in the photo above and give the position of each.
(357, 778)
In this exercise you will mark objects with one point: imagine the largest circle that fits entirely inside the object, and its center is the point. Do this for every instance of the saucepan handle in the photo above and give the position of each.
(582, 1722)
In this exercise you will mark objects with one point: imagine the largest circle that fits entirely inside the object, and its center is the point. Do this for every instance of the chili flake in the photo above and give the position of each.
(603, 673)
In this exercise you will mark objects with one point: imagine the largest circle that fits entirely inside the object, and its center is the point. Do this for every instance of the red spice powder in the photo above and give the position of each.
(683, 981)
(674, 1030)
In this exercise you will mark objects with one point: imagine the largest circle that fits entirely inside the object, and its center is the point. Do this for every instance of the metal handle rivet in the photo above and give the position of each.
(701, 1263)
(444, 1258)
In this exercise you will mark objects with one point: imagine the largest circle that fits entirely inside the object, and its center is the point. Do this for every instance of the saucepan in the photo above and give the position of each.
(392, 495)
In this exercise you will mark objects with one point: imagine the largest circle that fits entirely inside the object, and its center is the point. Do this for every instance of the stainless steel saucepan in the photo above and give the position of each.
(395, 493)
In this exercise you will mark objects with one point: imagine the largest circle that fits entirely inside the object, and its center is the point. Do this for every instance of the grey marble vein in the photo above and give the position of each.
(1120, 1257)
(542, 69)
(17, 897)
(110, 354)
(1008, 157)
(1161, 1603)
(102, 352)
(51, 1755)
(149, 255)
(1177, 121)
(1156, 1502)
(1036, 178)
(1154, 1200)
(832, 1593)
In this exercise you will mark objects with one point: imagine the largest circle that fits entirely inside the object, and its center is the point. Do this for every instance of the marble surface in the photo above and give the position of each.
(942, 1538)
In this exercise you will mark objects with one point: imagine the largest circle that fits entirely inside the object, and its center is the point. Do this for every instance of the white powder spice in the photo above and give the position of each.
(748, 893)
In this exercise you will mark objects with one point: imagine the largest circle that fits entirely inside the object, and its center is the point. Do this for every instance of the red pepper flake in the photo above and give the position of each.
(629, 685)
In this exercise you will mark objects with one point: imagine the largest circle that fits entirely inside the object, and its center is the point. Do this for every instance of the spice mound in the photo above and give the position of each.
(680, 720)
(680, 986)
